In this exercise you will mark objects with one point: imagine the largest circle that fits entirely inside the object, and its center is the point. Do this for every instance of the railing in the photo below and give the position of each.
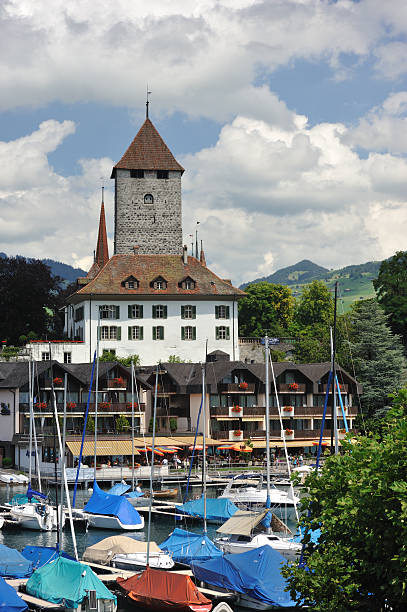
(79, 407)
(343, 388)
(224, 411)
(288, 387)
(47, 384)
(224, 435)
(111, 383)
(236, 388)
(258, 340)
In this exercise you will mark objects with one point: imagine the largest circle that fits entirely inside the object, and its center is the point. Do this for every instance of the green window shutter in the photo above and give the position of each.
(119, 333)
(227, 312)
(182, 312)
(117, 312)
(162, 333)
(194, 312)
(216, 312)
(141, 312)
(154, 333)
(165, 312)
(129, 312)
(154, 312)
(194, 333)
(141, 333)
(227, 334)
(182, 333)
(217, 333)
(129, 332)
(99, 333)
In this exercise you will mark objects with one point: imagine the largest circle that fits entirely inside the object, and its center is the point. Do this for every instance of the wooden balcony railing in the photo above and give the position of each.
(292, 387)
(79, 407)
(343, 388)
(236, 388)
(224, 411)
(113, 383)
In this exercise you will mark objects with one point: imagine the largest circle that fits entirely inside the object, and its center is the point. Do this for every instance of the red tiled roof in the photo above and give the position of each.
(146, 268)
(148, 151)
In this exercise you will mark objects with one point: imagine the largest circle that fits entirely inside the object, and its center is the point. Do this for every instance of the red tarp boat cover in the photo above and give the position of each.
(160, 589)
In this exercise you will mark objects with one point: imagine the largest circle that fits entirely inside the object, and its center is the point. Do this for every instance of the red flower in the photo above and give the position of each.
(57, 381)
(293, 386)
(236, 409)
(119, 381)
(288, 409)
(104, 405)
(289, 432)
(71, 405)
(237, 432)
(128, 405)
(243, 385)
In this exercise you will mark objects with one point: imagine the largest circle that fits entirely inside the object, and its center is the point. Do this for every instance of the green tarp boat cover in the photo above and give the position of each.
(66, 581)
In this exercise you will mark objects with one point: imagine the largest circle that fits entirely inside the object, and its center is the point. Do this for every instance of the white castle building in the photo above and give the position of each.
(151, 298)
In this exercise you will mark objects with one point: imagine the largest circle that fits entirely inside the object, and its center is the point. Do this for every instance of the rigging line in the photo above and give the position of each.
(143, 428)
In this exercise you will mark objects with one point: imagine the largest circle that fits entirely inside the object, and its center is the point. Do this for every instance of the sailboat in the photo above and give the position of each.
(106, 511)
(217, 510)
(156, 589)
(127, 553)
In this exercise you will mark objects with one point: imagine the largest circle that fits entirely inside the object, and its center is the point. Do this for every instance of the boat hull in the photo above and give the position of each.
(138, 561)
(158, 604)
(289, 553)
(35, 518)
(102, 521)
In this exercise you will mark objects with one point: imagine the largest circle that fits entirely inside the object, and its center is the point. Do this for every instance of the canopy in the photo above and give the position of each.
(41, 555)
(106, 549)
(186, 546)
(119, 488)
(112, 505)
(9, 600)
(134, 494)
(166, 587)
(13, 564)
(255, 573)
(31, 493)
(68, 582)
(217, 510)
(104, 448)
(19, 499)
(242, 522)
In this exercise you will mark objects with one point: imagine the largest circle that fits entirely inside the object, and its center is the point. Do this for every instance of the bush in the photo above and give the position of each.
(7, 461)
(173, 424)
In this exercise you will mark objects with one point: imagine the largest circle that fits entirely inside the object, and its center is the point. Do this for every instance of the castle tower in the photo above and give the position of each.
(148, 197)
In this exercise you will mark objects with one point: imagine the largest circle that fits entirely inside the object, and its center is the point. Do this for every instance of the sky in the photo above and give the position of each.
(289, 117)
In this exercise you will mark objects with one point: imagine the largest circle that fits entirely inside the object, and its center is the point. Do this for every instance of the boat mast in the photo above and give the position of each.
(152, 467)
(96, 397)
(132, 425)
(204, 445)
(30, 447)
(334, 427)
(62, 461)
(267, 384)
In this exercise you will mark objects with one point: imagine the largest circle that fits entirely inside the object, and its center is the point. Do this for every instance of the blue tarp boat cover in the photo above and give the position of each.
(9, 600)
(255, 573)
(119, 488)
(65, 581)
(134, 494)
(186, 546)
(13, 564)
(40, 555)
(112, 505)
(217, 510)
(31, 493)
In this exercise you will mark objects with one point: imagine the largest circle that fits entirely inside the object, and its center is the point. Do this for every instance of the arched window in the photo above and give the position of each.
(148, 199)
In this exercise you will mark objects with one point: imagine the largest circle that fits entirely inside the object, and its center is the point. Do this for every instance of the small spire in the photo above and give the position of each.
(147, 101)
(102, 249)
(202, 256)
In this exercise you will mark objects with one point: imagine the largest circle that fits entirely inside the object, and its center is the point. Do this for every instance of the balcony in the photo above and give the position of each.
(118, 384)
(79, 408)
(246, 433)
(46, 384)
(225, 411)
(291, 387)
(237, 388)
(343, 388)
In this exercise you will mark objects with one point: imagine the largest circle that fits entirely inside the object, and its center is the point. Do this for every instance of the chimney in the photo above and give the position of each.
(185, 254)
(135, 249)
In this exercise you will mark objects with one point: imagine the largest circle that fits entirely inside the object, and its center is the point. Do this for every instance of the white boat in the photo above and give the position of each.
(127, 553)
(102, 521)
(37, 517)
(12, 479)
(107, 511)
(1, 521)
(241, 543)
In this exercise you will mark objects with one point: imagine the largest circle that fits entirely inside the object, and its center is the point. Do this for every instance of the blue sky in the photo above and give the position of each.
(288, 115)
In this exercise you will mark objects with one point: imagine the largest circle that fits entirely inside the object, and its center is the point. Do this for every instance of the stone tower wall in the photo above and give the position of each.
(155, 228)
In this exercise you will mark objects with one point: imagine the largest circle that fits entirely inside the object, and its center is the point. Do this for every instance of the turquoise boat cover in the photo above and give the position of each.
(20, 498)
(112, 505)
(255, 573)
(217, 510)
(40, 555)
(13, 564)
(65, 581)
(186, 546)
(9, 600)
(119, 488)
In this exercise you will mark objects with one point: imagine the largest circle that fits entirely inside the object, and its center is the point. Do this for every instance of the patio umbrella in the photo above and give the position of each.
(157, 452)
(245, 449)
(323, 443)
(225, 447)
(198, 447)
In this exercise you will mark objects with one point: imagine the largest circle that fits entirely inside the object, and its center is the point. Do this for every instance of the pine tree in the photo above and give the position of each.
(377, 356)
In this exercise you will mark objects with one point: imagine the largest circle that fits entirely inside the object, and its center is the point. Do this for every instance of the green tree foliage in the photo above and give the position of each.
(315, 305)
(391, 289)
(267, 308)
(359, 500)
(27, 290)
(122, 424)
(109, 357)
(90, 424)
(377, 356)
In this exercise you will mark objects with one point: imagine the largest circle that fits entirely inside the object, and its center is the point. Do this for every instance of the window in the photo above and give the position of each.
(135, 311)
(159, 311)
(188, 333)
(136, 173)
(222, 312)
(44, 356)
(79, 313)
(130, 283)
(68, 357)
(148, 199)
(188, 283)
(109, 350)
(109, 312)
(162, 174)
(222, 333)
(188, 312)
(159, 283)
(110, 333)
(158, 332)
(135, 332)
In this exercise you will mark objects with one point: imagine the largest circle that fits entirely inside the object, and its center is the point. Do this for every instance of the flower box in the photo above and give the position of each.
(287, 434)
(57, 382)
(129, 406)
(119, 382)
(71, 405)
(104, 405)
(293, 386)
(288, 411)
(244, 386)
(41, 405)
(235, 435)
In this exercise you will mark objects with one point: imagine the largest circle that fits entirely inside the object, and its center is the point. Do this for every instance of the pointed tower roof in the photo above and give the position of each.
(202, 256)
(102, 248)
(148, 151)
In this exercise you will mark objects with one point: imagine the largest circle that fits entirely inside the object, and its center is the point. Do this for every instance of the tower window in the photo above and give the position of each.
(162, 174)
(136, 173)
(148, 199)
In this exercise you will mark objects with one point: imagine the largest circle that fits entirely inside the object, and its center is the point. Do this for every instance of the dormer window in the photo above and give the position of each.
(162, 174)
(148, 199)
(187, 283)
(130, 283)
(159, 283)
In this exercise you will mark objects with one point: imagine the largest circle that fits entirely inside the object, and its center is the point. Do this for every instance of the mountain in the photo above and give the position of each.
(354, 282)
(66, 272)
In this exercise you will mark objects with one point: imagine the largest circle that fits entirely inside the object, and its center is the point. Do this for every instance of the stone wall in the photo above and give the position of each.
(155, 228)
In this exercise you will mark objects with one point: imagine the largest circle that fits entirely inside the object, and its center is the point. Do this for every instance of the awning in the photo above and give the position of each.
(225, 418)
(242, 522)
(253, 418)
(103, 447)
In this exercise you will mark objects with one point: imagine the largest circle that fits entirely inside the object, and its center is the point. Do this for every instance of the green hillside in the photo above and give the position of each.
(354, 282)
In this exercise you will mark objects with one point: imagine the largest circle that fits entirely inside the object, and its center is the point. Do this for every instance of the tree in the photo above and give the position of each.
(391, 289)
(315, 305)
(110, 357)
(267, 308)
(358, 500)
(122, 423)
(377, 356)
(28, 296)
